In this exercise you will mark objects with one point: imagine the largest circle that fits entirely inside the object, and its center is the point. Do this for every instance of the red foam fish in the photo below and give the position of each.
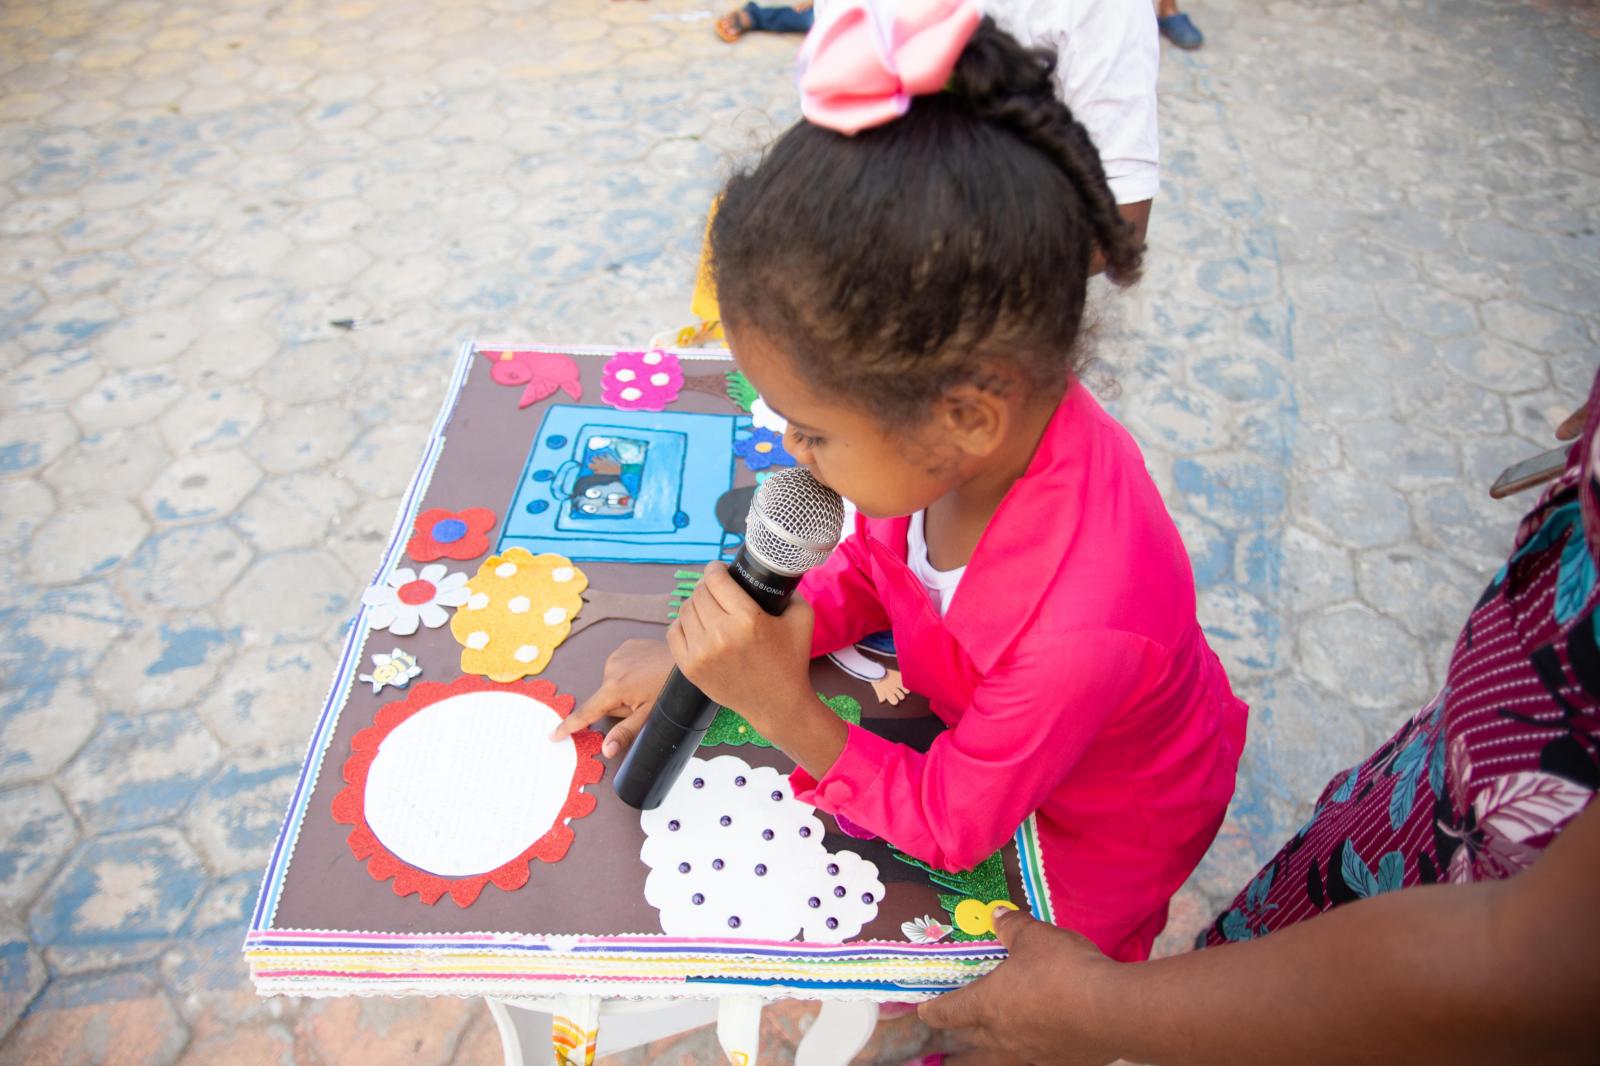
(542, 372)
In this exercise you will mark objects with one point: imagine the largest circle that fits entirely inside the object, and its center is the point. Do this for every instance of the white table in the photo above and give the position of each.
(840, 1031)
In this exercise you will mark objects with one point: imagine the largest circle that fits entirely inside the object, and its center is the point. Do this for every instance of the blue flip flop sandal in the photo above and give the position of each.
(1180, 31)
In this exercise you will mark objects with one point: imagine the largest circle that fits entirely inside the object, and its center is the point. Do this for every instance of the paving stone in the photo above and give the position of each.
(164, 664)
(1240, 629)
(1394, 453)
(1234, 491)
(1466, 524)
(423, 1032)
(22, 974)
(230, 352)
(383, 459)
(120, 1017)
(1427, 311)
(118, 462)
(42, 725)
(306, 373)
(270, 698)
(1536, 328)
(201, 487)
(50, 380)
(1493, 364)
(296, 594)
(1444, 402)
(1352, 650)
(1429, 594)
(86, 540)
(164, 288)
(304, 436)
(1178, 417)
(294, 511)
(69, 324)
(126, 398)
(186, 567)
(117, 901)
(1316, 573)
(1354, 509)
(31, 439)
(24, 507)
(235, 818)
(36, 833)
(221, 417)
(359, 540)
(139, 770)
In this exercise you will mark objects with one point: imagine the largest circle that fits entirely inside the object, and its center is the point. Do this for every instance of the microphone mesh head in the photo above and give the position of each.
(794, 521)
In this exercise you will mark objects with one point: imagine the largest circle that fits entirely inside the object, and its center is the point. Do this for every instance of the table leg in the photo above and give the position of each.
(841, 1030)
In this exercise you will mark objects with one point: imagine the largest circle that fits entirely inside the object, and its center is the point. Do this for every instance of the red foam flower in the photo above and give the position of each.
(349, 806)
(442, 534)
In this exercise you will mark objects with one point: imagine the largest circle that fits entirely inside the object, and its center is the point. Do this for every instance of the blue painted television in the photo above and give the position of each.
(625, 486)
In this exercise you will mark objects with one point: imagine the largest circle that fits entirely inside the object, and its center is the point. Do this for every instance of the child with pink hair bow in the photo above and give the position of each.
(903, 277)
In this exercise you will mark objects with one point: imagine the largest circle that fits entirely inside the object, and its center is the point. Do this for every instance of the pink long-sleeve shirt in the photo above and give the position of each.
(1073, 677)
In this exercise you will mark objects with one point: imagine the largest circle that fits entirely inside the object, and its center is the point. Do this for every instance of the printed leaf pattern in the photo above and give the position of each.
(1407, 769)
(1574, 579)
(1359, 876)
(1519, 807)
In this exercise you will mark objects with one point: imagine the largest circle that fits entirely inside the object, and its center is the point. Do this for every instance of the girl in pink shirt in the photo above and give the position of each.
(902, 277)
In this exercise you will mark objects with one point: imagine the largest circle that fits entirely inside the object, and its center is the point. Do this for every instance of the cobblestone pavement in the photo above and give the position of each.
(1372, 284)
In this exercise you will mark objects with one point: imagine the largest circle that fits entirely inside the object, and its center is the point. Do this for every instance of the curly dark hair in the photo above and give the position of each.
(896, 263)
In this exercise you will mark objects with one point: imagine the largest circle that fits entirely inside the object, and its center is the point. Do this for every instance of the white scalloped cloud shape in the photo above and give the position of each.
(732, 853)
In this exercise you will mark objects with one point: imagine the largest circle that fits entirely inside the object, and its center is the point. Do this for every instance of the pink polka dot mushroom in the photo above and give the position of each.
(641, 381)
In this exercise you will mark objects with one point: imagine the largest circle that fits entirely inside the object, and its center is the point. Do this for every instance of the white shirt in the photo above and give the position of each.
(941, 584)
(1109, 55)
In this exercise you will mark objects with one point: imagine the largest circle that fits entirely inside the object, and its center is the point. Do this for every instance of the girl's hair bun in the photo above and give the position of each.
(1012, 85)
(895, 263)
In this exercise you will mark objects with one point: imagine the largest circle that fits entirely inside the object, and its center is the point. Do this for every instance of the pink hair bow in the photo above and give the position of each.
(866, 59)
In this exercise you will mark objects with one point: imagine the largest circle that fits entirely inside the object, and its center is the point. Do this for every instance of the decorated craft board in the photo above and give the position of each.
(438, 842)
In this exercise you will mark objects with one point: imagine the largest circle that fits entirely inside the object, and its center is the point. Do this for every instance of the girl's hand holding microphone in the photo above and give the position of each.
(732, 650)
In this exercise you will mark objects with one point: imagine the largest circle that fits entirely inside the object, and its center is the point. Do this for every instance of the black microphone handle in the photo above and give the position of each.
(682, 713)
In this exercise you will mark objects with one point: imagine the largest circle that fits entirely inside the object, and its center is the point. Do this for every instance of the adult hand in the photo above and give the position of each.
(1573, 426)
(634, 674)
(741, 656)
(1036, 1005)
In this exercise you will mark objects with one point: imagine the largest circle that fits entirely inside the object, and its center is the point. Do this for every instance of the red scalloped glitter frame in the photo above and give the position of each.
(349, 806)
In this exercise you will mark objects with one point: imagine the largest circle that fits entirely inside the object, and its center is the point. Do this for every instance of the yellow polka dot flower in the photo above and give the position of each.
(519, 609)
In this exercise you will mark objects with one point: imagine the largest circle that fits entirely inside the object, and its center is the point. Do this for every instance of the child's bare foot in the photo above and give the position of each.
(734, 25)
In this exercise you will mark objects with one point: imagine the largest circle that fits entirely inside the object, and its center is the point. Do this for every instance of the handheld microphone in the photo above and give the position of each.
(794, 523)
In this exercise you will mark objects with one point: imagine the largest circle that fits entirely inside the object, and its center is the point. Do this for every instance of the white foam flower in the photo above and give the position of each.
(925, 930)
(408, 599)
(765, 417)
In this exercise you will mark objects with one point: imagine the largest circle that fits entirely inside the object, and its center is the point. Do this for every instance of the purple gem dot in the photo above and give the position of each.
(739, 781)
(733, 922)
(683, 867)
(777, 795)
(866, 897)
(716, 864)
(725, 820)
(838, 890)
(766, 834)
(813, 902)
(699, 782)
(805, 830)
(697, 899)
(833, 869)
(761, 869)
(673, 825)
(833, 923)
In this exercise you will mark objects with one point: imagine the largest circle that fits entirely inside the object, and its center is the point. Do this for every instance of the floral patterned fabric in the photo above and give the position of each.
(1484, 777)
